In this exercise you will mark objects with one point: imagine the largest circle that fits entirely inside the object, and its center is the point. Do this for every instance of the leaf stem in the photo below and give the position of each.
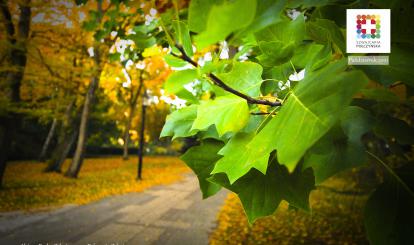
(217, 81)
(267, 118)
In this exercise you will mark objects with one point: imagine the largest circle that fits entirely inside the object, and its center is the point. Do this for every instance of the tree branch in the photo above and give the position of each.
(217, 81)
(49, 69)
(7, 21)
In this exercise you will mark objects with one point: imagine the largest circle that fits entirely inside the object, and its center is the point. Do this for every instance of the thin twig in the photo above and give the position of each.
(260, 113)
(217, 81)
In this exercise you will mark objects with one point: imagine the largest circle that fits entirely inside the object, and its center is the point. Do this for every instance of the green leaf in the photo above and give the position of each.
(311, 110)
(277, 43)
(380, 94)
(201, 160)
(389, 212)
(225, 18)
(308, 3)
(355, 122)
(287, 32)
(182, 36)
(176, 81)
(280, 73)
(311, 56)
(142, 40)
(198, 13)
(245, 77)
(210, 133)
(261, 193)
(174, 61)
(341, 148)
(178, 123)
(275, 53)
(326, 32)
(269, 87)
(229, 113)
(235, 162)
(187, 95)
(268, 13)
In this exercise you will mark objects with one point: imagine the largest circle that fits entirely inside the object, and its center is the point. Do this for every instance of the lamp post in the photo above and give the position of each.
(145, 103)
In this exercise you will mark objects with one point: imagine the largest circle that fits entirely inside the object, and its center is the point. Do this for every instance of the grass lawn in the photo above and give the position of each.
(27, 187)
(336, 218)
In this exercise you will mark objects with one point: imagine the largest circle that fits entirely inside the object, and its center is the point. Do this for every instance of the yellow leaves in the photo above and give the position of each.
(264, 108)
(335, 219)
(153, 51)
(28, 188)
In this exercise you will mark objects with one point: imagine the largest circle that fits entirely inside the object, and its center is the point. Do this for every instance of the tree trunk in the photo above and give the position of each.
(126, 133)
(67, 128)
(49, 137)
(4, 146)
(132, 106)
(141, 137)
(18, 51)
(61, 152)
(77, 160)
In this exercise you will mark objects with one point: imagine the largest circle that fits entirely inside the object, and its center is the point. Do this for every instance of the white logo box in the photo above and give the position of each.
(371, 46)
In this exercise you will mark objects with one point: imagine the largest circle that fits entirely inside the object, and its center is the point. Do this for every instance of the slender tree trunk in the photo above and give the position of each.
(77, 160)
(141, 136)
(61, 152)
(132, 106)
(49, 137)
(126, 133)
(18, 51)
(52, 163)
(67, 128)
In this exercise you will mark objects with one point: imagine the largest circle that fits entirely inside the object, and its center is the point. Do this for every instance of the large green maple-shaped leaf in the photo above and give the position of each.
(341, 148)
(201, 160)
(224, 19)
(310, 111)
(277, 43)
(178, 123)
(230, 163)
(261, 194)
(229, 113)
(245, 77)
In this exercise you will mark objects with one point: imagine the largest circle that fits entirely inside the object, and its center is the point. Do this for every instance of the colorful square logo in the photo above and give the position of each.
(368, 31)
(368, 26)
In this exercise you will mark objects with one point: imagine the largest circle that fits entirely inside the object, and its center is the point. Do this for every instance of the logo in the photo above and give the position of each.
(368, 31)
(368, 26)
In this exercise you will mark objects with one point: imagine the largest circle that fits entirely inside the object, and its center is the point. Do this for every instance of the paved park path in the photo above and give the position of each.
(173, 214)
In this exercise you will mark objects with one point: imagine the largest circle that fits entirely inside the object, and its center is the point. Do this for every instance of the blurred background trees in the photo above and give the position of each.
(73, 75)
